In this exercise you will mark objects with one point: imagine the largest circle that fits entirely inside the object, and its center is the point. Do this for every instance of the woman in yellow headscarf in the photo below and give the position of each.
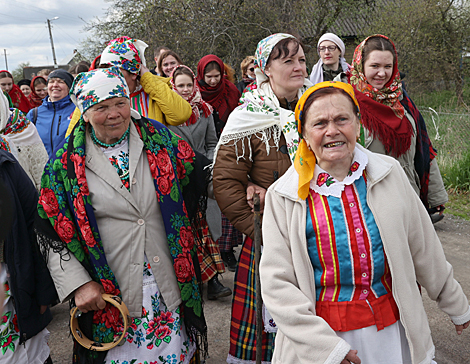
(347, 240)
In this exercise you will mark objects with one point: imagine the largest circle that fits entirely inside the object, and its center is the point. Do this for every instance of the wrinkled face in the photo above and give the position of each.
(109, 118)
(328, 56)
(378, 68)
(41, 90)
(57, 89)
(331, 130)
(184, 85)
(250, 71)
(287, 74)
(6, 84)
(168, 65)
(25, 89)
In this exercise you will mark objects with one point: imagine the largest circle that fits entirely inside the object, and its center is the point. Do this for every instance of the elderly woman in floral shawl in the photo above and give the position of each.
(114, 195)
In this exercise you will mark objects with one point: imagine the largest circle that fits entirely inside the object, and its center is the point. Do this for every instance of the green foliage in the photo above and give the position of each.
(230, 28)
(431, 37)
(17, 73)
(456, 174)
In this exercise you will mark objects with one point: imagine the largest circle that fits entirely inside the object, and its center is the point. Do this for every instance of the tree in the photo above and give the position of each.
(17, 73)
(229, 28)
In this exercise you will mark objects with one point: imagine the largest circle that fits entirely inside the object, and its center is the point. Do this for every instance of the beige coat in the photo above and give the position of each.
(413, 250)
(130, 224)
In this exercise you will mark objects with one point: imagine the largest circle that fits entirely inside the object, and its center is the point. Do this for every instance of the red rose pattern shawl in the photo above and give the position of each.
(65, 201)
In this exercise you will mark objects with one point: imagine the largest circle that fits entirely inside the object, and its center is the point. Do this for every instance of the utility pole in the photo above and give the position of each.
(52, 42)
(6, 61)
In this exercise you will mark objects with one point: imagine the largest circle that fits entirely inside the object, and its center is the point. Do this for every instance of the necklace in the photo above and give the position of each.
(96, 141)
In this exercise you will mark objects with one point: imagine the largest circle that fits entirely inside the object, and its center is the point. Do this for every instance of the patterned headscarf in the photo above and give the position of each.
(90, 88)
(305, 160)
(265, 47)
(383, 114)
(195, 99)
(125, 53)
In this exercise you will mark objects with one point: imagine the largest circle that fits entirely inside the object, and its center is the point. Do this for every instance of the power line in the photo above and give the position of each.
(41, 10)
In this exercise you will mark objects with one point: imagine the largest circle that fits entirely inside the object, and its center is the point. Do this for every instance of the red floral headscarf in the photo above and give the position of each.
(382, 112)
(33, 97)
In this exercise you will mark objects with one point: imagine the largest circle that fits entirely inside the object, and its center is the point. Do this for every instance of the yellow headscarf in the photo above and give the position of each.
(305, 160)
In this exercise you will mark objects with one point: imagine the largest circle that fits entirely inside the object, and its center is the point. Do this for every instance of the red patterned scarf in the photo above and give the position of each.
(381, 111)
(195, 99)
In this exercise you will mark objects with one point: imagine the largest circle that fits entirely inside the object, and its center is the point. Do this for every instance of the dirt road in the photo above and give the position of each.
(450, 348)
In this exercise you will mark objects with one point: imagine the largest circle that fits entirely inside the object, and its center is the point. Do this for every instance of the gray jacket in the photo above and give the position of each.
(202, 137)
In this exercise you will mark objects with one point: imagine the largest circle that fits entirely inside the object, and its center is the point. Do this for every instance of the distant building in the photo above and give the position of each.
(69, 61)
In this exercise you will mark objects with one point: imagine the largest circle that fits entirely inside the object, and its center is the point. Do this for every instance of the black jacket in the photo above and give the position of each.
(30, 282)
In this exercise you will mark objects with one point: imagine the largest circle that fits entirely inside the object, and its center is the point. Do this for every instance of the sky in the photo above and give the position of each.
(24, 32)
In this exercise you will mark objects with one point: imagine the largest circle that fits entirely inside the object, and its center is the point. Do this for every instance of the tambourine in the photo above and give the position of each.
(116, 301)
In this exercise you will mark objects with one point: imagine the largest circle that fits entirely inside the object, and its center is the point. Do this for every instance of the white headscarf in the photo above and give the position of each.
(20, 131)
(5, 111)
(317, 72)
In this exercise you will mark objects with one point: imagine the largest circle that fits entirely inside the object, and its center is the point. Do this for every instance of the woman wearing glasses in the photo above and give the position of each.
(248, 73)
(331, 51)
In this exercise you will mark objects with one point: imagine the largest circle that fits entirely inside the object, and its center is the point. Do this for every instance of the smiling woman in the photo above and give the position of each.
(256, 147)
(52, 116)
(392, 123)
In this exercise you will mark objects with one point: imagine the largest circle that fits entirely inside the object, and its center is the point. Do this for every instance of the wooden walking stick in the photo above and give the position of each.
(259, 300)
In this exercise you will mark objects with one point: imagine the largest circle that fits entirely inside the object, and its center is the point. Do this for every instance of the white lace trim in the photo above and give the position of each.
(333, 187)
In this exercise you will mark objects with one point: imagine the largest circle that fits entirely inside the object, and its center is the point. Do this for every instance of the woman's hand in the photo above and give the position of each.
(351, 358)
(88, 297)
(143, 69)
(251, 189)
(460, 328)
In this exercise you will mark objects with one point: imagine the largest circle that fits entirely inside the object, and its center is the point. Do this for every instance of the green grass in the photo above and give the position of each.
(459, 204)
(450, 135)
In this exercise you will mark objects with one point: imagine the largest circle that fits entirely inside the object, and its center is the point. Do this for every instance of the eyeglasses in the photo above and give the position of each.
(252, 69)
(331, 48)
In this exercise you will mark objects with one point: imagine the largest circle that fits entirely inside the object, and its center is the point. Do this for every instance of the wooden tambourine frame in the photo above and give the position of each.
(93, 345)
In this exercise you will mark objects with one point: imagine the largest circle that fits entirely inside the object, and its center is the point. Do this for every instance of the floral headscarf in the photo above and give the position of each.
(383, 114)
(305, 160)
(260, 112)
(90, 88)
(125, 53)
(390, 93)
(33, 97)
(195, 99)
(265, 47)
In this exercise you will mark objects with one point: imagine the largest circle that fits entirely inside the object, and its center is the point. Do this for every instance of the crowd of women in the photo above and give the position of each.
(146, 181)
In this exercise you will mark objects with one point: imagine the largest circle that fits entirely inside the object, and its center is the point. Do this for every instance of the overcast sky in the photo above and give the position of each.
(24, 32)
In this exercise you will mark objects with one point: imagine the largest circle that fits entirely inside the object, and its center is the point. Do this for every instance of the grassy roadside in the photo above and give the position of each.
(459, 204)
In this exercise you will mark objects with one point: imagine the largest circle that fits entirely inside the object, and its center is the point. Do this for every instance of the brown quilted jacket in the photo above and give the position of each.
(231, 177)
